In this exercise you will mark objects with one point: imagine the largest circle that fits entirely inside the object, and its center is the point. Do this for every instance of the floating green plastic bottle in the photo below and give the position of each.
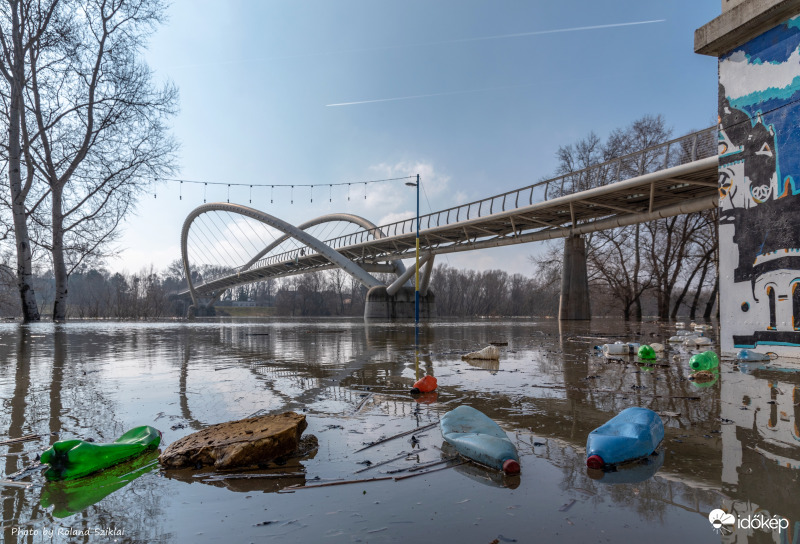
(72, 496)
(646, 352)
(704, 361)
(70, 459)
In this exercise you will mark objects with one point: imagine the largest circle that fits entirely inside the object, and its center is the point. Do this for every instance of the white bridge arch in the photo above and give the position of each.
(248, 272)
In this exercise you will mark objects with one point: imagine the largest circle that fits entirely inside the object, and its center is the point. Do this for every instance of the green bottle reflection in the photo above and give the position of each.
(72, 496)
(71, 459)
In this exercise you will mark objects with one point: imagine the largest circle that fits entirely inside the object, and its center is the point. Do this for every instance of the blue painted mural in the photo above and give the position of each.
(759, 179)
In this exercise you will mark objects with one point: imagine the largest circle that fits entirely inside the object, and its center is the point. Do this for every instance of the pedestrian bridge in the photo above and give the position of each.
(226, 245)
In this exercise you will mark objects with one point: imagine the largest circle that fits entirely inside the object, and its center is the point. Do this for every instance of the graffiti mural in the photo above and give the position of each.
(759, 148)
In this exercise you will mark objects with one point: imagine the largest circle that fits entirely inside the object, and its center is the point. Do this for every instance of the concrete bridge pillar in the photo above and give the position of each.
(574, 300)
(756, 42)
(380, 305)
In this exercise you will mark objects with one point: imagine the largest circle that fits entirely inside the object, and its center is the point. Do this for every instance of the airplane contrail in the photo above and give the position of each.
(481, 38)
(540, 32)
(413, 44)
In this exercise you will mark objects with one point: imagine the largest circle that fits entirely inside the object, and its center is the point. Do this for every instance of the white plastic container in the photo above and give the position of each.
(658, 348)
(698, 341)
(631, 348)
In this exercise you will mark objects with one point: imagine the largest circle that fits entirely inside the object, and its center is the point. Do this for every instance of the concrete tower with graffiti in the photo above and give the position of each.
(758, 46)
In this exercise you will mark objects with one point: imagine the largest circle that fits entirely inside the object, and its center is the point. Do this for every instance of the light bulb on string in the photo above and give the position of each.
(365, 190)
(291, 196)
(205, 186)
(271, 194)
(251, 194)
(229, 193)
(180, 191)
(348, 192)
(330, 193)
(311, 192)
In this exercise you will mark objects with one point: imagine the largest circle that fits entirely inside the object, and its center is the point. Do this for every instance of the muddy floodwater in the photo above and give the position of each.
(730, 444)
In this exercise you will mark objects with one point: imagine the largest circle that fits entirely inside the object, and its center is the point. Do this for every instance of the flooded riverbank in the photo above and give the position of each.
(732, 444)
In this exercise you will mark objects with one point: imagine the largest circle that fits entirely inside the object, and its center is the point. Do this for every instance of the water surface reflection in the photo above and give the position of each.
(733, 444)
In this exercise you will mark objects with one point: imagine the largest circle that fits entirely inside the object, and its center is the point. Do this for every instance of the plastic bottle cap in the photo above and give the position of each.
(595, 461)
(415, 391)
(510, 466)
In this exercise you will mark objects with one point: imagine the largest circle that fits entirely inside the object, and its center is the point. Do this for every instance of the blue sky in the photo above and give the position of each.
(256, 78)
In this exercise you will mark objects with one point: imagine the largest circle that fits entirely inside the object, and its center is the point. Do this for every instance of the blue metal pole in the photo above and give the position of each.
(416, 291)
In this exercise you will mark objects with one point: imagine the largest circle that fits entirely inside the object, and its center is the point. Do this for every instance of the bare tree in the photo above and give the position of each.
(99, 129)
(86, 122)
(23, 23)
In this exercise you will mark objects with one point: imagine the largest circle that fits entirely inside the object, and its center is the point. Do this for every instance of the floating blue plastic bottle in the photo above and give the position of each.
(747, 355)
(474, 435)
(631, 434)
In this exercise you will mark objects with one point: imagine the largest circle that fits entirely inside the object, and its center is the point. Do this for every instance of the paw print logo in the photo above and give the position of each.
(721, 521)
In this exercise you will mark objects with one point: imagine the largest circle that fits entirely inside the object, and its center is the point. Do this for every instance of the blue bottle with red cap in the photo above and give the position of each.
(631, 434)
(475, 436)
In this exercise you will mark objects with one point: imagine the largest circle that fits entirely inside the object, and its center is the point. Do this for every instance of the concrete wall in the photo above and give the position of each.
(759, 176)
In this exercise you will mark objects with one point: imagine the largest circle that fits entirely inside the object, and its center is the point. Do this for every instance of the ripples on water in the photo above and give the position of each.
(733, 445)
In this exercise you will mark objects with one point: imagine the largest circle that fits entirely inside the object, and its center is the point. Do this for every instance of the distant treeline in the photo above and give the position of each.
(150, 294)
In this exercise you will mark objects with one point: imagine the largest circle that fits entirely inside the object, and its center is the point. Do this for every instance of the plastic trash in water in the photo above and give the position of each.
(631, 434)
(705, 378)
(475, 436)
(647, 353)
(682, 337)
(752, 356)
(73, 496)
(631, 473)
(489, 352)
(697, 341)
(618, 348)
(704, 361)
(70, 459)
(658, 348)
(425, 385)
(680, 325)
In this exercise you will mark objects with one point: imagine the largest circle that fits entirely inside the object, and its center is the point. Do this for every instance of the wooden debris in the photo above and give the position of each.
(242, 476)
(11, 483)
(359, 471)
(26, 438)
(343, 482)
(362, 403)
(398, 478)
(384, 440)
(423, 466)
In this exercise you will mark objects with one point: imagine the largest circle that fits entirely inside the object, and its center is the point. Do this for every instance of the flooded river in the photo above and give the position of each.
(732, 444)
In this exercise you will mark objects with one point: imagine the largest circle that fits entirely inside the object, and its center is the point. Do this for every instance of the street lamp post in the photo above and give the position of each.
(416, 274)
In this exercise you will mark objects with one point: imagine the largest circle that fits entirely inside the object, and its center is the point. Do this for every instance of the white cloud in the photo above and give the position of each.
(433, 182)
(741, 78)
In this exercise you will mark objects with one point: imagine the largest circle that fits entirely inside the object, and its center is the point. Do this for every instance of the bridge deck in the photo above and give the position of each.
(685, 188)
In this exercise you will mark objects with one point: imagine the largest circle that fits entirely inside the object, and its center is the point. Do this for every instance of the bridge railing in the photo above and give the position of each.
(688, 148)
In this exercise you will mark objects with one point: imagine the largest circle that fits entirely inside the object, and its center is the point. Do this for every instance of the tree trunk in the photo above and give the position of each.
(696, 300)
(59, 266)
(30, 311)
(685, 290)
(711, 300)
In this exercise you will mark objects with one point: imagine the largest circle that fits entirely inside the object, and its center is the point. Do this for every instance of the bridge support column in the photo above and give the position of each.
(574, 300)
(759, 176)
(382, 305)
